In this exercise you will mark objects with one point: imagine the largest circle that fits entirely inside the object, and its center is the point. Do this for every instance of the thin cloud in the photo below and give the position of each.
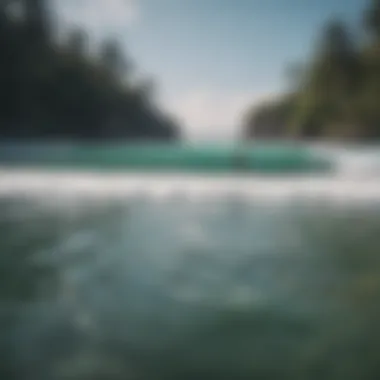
(98, 17)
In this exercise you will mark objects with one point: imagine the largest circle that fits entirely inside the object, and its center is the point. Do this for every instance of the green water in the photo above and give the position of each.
(266, 158)
(141, 289)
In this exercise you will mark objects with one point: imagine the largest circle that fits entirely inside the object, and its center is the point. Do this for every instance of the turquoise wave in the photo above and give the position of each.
(179, 157)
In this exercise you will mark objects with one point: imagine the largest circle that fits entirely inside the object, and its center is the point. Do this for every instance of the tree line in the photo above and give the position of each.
(335, 95)
(56, 89)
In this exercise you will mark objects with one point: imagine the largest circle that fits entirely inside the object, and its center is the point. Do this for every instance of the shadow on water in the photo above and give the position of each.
(81, 298)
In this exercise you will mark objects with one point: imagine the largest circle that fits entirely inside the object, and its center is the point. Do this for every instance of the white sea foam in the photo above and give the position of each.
(189, 187)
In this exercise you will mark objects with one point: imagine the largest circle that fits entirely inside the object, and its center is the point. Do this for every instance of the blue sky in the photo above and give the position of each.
(211, 58)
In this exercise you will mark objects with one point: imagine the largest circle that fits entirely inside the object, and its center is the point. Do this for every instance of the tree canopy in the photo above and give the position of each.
(52, 89)
(337, 94)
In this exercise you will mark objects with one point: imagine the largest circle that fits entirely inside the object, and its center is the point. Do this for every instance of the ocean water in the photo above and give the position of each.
(112, 275)
(182, 157)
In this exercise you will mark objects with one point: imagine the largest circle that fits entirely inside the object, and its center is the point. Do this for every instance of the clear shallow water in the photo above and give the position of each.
(109, 276)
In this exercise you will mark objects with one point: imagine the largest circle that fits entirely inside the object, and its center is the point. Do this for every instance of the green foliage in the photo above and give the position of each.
(57, 90)
(336, 95)
(372, 19)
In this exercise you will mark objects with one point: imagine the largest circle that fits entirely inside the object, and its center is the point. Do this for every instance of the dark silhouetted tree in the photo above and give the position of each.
(57, 90)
